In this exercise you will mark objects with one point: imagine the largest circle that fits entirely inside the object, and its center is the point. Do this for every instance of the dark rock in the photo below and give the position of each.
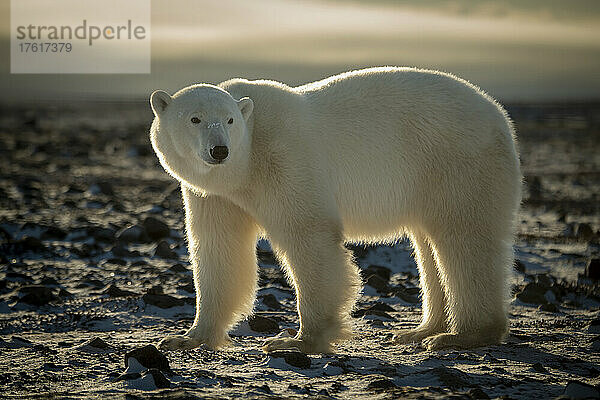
(262, 324)
(594, 326)
(31, 121)
(533, 293)
(580, 390)
(50, 366)
(409, 295)
(584, 231)
(377, 282)
(593, 373)
(5, 237)
(102, 234)
(538, 367)
(128, 377)
(49, 281)
(18, 276)
(132, 234)
(323, 392)
(383, 272)
(22, 340)
(105, 188)
(549, 307)
(160, 380)
(299, 390)
(592, 269)
(379, 306)
(519, 266)
(413, 291)
(477, 393)
(93, 282)
(535, 187)
(189, 287)
(292, 357)
(149, 357)
(155, 228)
(37, 295)
(64, 293)
(163, 250)
(155, 290)
(190, 301)
(117, 261)
(86, 250)
(54, 232)
(42, 348)
(451, 377)
(264, 388)
(270, 301)
(381, 384)
(178, 268)
(92, 204)
(163, 300)
(114, 291)
(378, 313)
(373, 309)
(120, 250)
(544, 280)
(337, 387)
(30, 243)
(98, 343)
(562, 216)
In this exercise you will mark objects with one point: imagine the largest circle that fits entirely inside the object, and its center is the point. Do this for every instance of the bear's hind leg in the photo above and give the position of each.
(433, 320)
(473, 270)
(327, 284)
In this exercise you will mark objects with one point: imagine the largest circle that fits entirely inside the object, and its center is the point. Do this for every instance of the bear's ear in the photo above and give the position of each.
(159, 100)
(246, 106)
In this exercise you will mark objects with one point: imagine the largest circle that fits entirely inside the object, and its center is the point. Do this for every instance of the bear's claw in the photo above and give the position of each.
(279, 343)
(416, 335)
(179, 342)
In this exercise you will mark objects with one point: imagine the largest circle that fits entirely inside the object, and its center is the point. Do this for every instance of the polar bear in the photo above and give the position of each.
(366, 156)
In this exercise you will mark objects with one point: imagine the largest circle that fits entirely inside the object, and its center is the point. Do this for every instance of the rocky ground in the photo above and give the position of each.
(93, 270)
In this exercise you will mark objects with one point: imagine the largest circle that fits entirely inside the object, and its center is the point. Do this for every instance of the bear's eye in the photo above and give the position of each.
(230, 121)
(195, 120)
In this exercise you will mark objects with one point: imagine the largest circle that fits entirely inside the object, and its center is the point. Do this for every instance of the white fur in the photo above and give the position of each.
(365, 156)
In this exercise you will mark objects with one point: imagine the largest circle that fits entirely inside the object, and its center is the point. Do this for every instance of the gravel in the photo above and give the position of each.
(89, 273)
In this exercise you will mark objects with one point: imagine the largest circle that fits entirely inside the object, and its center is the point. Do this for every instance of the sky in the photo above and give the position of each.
(515, 50)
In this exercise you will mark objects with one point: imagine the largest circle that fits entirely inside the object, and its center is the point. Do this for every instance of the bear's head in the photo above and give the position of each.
(200, 133)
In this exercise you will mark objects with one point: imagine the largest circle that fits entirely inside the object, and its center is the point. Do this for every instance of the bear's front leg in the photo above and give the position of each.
(327, 284)
(222, 246)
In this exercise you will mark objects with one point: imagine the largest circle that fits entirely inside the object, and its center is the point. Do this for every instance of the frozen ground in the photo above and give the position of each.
(78, 290)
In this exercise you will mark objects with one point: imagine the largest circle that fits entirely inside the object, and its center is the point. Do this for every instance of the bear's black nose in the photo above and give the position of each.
(219, 153)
